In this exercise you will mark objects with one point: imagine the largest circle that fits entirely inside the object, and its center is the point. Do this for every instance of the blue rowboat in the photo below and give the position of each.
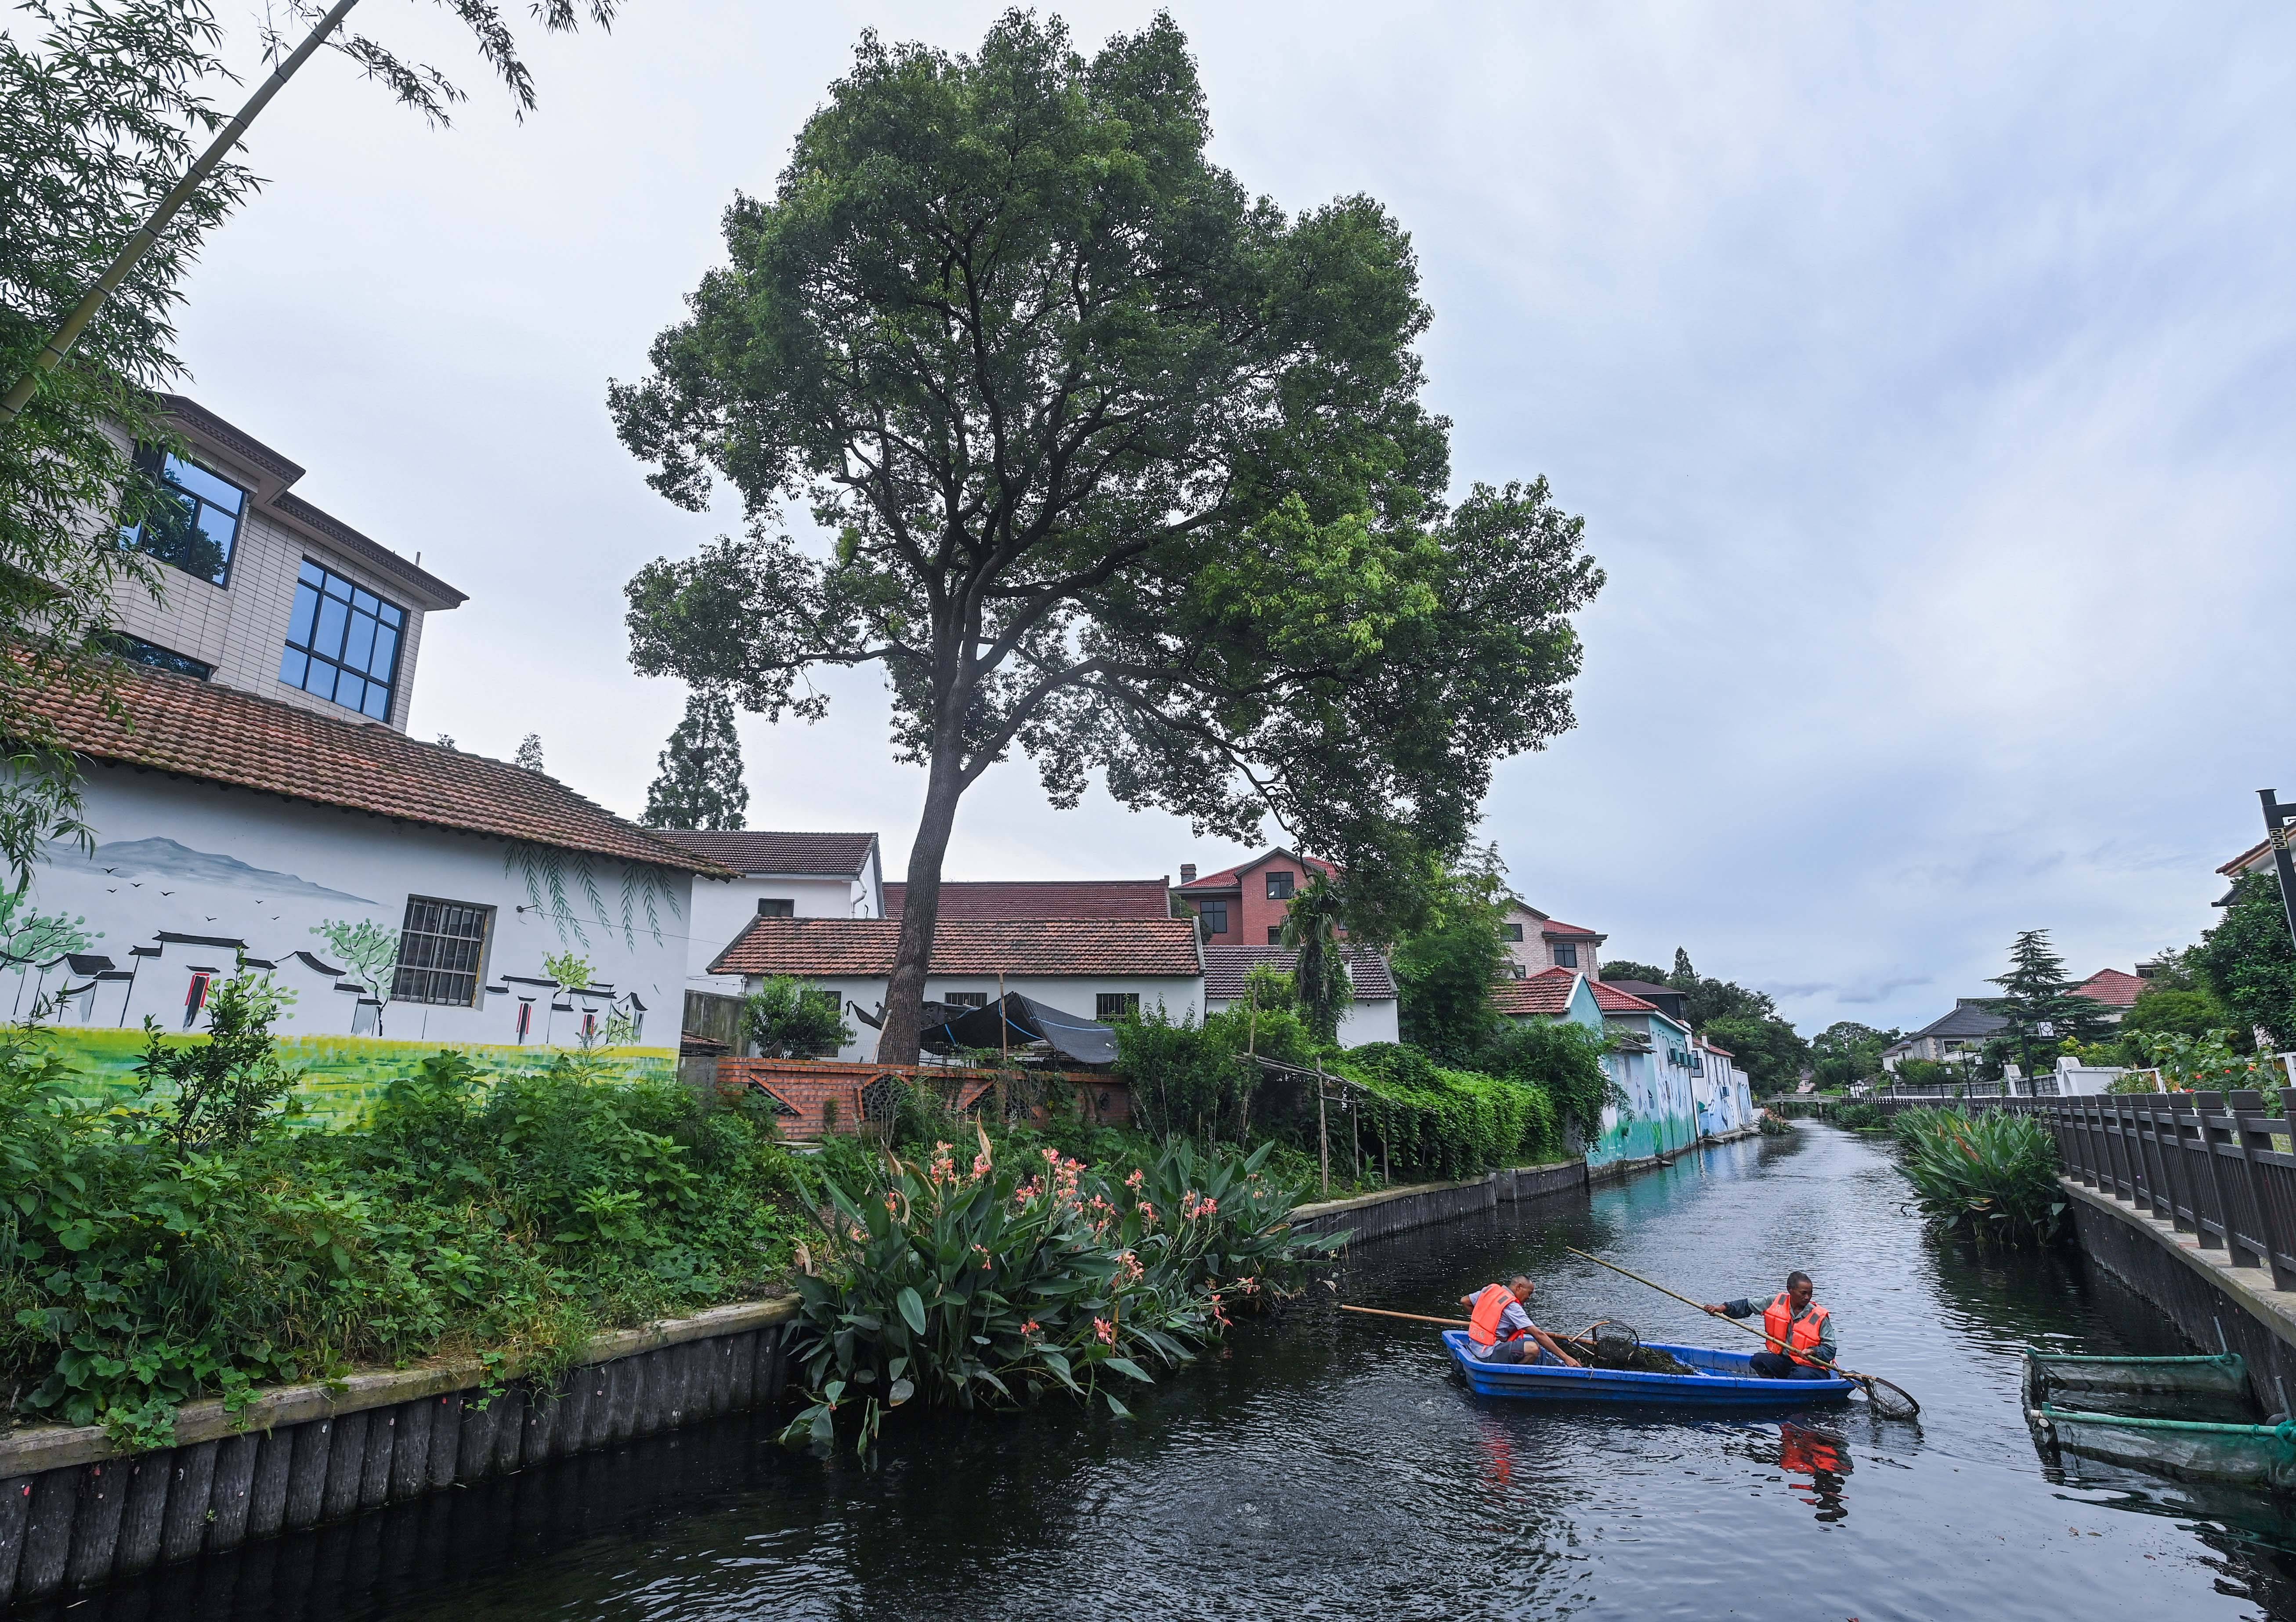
(1722, 1380)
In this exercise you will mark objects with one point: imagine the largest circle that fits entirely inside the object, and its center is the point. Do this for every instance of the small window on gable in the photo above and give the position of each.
(1110, 1005)
(1566, 956)
(442, 952)
(1279, 885)
(1509, 931)
(777, 906)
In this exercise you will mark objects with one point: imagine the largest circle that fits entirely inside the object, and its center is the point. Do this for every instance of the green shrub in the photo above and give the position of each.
(1992, 1176)
(1561, 1058)
(1021, 1275)
(1443, 1123)
(1859, 1116)
(142, 1267)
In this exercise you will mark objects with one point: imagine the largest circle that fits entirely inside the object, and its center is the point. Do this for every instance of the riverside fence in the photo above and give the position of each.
(2215, 1165)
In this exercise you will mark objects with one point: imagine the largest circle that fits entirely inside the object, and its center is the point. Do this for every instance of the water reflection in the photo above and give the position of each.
(1823, 1458)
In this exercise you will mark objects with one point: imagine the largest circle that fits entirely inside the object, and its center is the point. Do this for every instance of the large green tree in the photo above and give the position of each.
(1123, 469)
(1444, 970)
(1847, 1051)
(2248, 960)
(114, 166)
(2043, 1010)
(700, 782)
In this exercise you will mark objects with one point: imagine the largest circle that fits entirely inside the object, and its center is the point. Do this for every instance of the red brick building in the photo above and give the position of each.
(1245, 905)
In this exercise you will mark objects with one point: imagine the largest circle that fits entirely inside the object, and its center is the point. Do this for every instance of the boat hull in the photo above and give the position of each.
(1723, 1381)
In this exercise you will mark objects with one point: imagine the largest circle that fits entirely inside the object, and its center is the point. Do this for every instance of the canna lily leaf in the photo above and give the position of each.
(900, 1391)
(912, 1307)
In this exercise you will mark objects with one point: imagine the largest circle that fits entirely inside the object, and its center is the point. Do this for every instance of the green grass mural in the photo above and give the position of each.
(341, 1074)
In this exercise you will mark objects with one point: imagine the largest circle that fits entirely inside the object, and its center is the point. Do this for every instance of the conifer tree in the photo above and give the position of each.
(700, 782)
(2041, 1006)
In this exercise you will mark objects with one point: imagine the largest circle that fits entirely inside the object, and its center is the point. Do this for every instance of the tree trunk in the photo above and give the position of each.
(905, 994)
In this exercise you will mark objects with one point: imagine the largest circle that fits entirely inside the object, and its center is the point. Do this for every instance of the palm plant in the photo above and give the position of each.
(1320, 986)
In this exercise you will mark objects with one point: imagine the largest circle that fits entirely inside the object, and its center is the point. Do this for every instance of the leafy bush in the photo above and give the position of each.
(1445, 1123)
(1562, 1059)
(1992, 1176)
(790, 1019)
(1023, 1275)
(143, 1265)
(2205, 1063)
(1859, 1116)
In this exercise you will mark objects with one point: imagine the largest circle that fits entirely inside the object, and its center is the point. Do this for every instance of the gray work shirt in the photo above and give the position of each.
(1755, 1306)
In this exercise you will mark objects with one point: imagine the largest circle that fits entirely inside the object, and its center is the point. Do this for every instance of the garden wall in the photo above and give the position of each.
(75, 1514)
(808, 1088)
(1398, 1211)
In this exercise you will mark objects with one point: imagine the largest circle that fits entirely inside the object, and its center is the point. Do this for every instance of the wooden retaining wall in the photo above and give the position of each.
(74, 1513)
(1397, 1211)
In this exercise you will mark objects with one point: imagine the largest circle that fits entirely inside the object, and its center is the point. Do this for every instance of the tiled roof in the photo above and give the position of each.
(1225, 968)
(1044, 899)
(1710, 1048)
(1967, 1019)
(1229, 878)
(1610, 999)
(821, 947)
(2239, 863)
(2111, 987)
(1554, 929)
(1547, 992)
(1643, 989)
(838, 855)
(197, 729)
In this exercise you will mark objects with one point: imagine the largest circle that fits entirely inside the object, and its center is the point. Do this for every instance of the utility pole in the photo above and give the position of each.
(2277, 818)
(1323, 1131)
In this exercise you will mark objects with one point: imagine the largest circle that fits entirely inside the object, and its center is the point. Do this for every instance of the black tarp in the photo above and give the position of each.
(1014, 1021)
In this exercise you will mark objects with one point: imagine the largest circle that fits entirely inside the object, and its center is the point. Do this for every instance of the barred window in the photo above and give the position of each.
(965, 999)
(442, 952)
(1108, 1005)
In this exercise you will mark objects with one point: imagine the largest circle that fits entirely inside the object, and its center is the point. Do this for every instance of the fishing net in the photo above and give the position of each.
(2243, 1455)
(1889, 1402)
(1613, 1345)
(2223, 1375)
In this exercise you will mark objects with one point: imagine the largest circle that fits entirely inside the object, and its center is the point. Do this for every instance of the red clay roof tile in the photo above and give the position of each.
(1547, 992)
(2111, 987)
(177, 723)
(1229, 878)
(828, 948)
(1044, 898)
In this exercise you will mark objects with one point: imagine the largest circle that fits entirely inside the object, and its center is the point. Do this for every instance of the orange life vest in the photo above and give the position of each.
(1490, 1306)
(1789, 1334)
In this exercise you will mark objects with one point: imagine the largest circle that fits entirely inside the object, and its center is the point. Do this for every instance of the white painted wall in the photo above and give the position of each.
(1372, 1019)
(723, 907)
(1181, 998)
(216, 866)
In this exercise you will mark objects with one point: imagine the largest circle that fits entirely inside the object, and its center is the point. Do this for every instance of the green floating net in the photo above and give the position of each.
(2241, 1455)
(2223, 1376)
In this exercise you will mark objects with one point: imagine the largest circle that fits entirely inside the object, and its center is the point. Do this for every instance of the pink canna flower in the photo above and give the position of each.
(1106, 1330)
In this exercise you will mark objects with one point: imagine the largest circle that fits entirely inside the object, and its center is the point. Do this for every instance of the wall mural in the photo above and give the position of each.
(171, 920)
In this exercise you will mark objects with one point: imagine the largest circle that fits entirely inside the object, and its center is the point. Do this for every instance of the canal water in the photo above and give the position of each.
(1327, 1466)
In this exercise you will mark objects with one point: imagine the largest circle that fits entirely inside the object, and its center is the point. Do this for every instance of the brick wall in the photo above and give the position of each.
(809, 1087)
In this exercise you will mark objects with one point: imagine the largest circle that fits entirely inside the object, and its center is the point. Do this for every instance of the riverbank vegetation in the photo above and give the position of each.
(197, 1238)
(990, 1275)
(1991, 1176)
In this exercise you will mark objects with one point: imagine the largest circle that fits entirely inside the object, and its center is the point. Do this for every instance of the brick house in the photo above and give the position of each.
(1099, 968)
(1536, 942)
(264, 592)
(1245, 905)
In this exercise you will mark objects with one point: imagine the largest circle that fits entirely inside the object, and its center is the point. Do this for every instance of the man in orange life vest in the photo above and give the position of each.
(1501, 1332)
(1796, 1327)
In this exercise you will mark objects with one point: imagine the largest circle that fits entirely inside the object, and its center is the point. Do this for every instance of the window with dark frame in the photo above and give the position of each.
(1275, 934)
(1279, 885)
(195, 524)
(342, 642)
(1215, 916)
(136, 650)
(965, 999)
(1109, 1005)
(1566, 956)
(442, 952)
(777, 906)
(1510, 932)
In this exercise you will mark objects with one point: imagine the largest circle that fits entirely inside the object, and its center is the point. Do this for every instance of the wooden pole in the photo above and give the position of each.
(1323, 1131)
(1408, 1317)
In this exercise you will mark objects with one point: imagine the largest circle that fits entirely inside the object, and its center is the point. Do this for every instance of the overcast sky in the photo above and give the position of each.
(1924, 382)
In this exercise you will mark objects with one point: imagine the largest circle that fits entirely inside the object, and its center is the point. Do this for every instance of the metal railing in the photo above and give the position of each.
(2212, 1164)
